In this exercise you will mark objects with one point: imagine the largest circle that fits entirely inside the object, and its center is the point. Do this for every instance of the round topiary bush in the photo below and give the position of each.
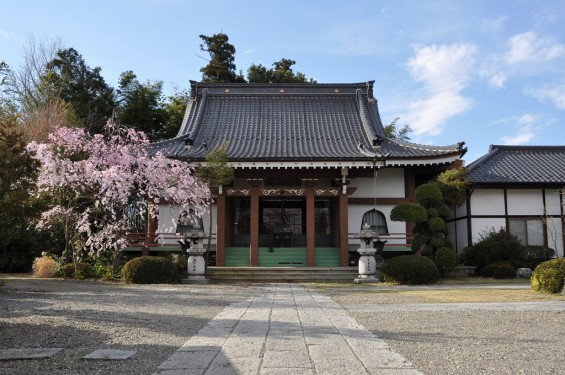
(445, 258)
(504, 271)
(149, 270)
(548, 277)
(436, 224)
(410, 269)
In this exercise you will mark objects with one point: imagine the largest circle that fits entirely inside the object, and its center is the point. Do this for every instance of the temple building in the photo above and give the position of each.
(312, 164)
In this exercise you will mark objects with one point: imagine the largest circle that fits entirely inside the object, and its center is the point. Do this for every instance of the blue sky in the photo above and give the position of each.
(482, 71)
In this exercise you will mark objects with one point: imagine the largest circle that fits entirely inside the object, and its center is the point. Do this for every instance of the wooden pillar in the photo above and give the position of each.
(152, 224)
(310, 228)
(254, 228)
(220, 229)
(343, 231)
(410, 194)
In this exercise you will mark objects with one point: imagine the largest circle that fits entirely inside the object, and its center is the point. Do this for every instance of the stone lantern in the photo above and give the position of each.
(367, 262)
(193, 245)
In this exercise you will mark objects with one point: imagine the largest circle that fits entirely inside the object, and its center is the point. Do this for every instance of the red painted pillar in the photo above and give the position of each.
(152, 224)
(310, 228)
(254, 229)
(220, 229)
(343, 231)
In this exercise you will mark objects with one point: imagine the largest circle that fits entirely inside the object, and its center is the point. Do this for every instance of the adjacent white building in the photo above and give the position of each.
(519, 188)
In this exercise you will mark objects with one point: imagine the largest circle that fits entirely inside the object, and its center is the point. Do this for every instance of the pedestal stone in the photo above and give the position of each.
(367, 262)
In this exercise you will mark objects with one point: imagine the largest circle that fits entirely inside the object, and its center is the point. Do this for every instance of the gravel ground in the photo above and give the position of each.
(155, 320)
(464, 341)
(83, 316)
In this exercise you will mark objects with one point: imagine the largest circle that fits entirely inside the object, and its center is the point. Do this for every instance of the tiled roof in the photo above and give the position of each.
(520, 165)
(290, 122)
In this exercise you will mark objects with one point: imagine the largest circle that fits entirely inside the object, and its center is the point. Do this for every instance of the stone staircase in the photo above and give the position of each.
(282, 274)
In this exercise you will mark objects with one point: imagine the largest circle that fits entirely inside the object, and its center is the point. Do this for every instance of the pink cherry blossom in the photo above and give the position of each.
(91, 180)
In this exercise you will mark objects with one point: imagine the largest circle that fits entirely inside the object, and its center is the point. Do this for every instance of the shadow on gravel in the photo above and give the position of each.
(85, 316)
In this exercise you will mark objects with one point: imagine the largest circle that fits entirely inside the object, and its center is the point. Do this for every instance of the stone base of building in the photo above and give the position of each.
(195, 280)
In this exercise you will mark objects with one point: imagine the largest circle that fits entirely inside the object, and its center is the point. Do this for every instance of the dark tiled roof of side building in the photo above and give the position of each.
(520, 165)
(290, 122)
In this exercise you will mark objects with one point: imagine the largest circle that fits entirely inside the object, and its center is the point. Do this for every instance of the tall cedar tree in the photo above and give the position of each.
(91, 98)
(221, 66)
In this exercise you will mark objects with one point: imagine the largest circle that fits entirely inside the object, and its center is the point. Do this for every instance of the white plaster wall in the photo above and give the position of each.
(168, 217)
(480, 226)
(461, 210)
(552, 202)
(528, 202)
(461, 242)
(487, 202)
(389, 184)
(554, 235)
(355, 215)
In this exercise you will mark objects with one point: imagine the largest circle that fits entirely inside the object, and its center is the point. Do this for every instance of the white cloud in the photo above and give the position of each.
(249, 51)
(518, 139)
(525, 50)
(528, 47)
(554, 93)
(6, 34)
(493, 24)
(528, 127)
(445, 71)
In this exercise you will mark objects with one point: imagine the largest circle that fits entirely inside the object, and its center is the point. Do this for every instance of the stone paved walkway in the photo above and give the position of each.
(289, 330)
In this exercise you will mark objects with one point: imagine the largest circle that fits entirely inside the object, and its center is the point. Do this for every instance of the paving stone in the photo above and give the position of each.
(224, 364)
(286, 371)
(110, 354)
(181, 372)
(287, 359)
(189, 360)
(32, 353)
(287, 331)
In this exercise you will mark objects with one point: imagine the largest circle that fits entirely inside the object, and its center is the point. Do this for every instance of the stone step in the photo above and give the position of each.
(282, 274)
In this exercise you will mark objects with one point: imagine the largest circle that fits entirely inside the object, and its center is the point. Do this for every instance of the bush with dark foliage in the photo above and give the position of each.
(504, 271)
(79, 271)
(150, 270)
(410, 269)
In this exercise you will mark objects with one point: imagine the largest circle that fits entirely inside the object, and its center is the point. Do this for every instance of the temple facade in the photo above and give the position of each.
(312, 165)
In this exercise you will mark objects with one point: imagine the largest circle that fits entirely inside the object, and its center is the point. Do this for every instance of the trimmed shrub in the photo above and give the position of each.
(410, 269)
(433, 212)
(504, 271)
(78, 271)
(493, 247)
(410, 212)
(488, 271)
(548, 277)
(436, 224)
(149, 270)
(44, 267)
(445, 258)
(443, 210)
(428, 194)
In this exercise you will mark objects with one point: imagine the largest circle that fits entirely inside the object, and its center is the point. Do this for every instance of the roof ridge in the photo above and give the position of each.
(367, 84)
(528, 147)
(493, 150)
(420, 146)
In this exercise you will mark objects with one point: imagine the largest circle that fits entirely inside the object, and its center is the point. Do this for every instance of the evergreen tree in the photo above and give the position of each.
(221, 66)
(140, 104)
(73, 81)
